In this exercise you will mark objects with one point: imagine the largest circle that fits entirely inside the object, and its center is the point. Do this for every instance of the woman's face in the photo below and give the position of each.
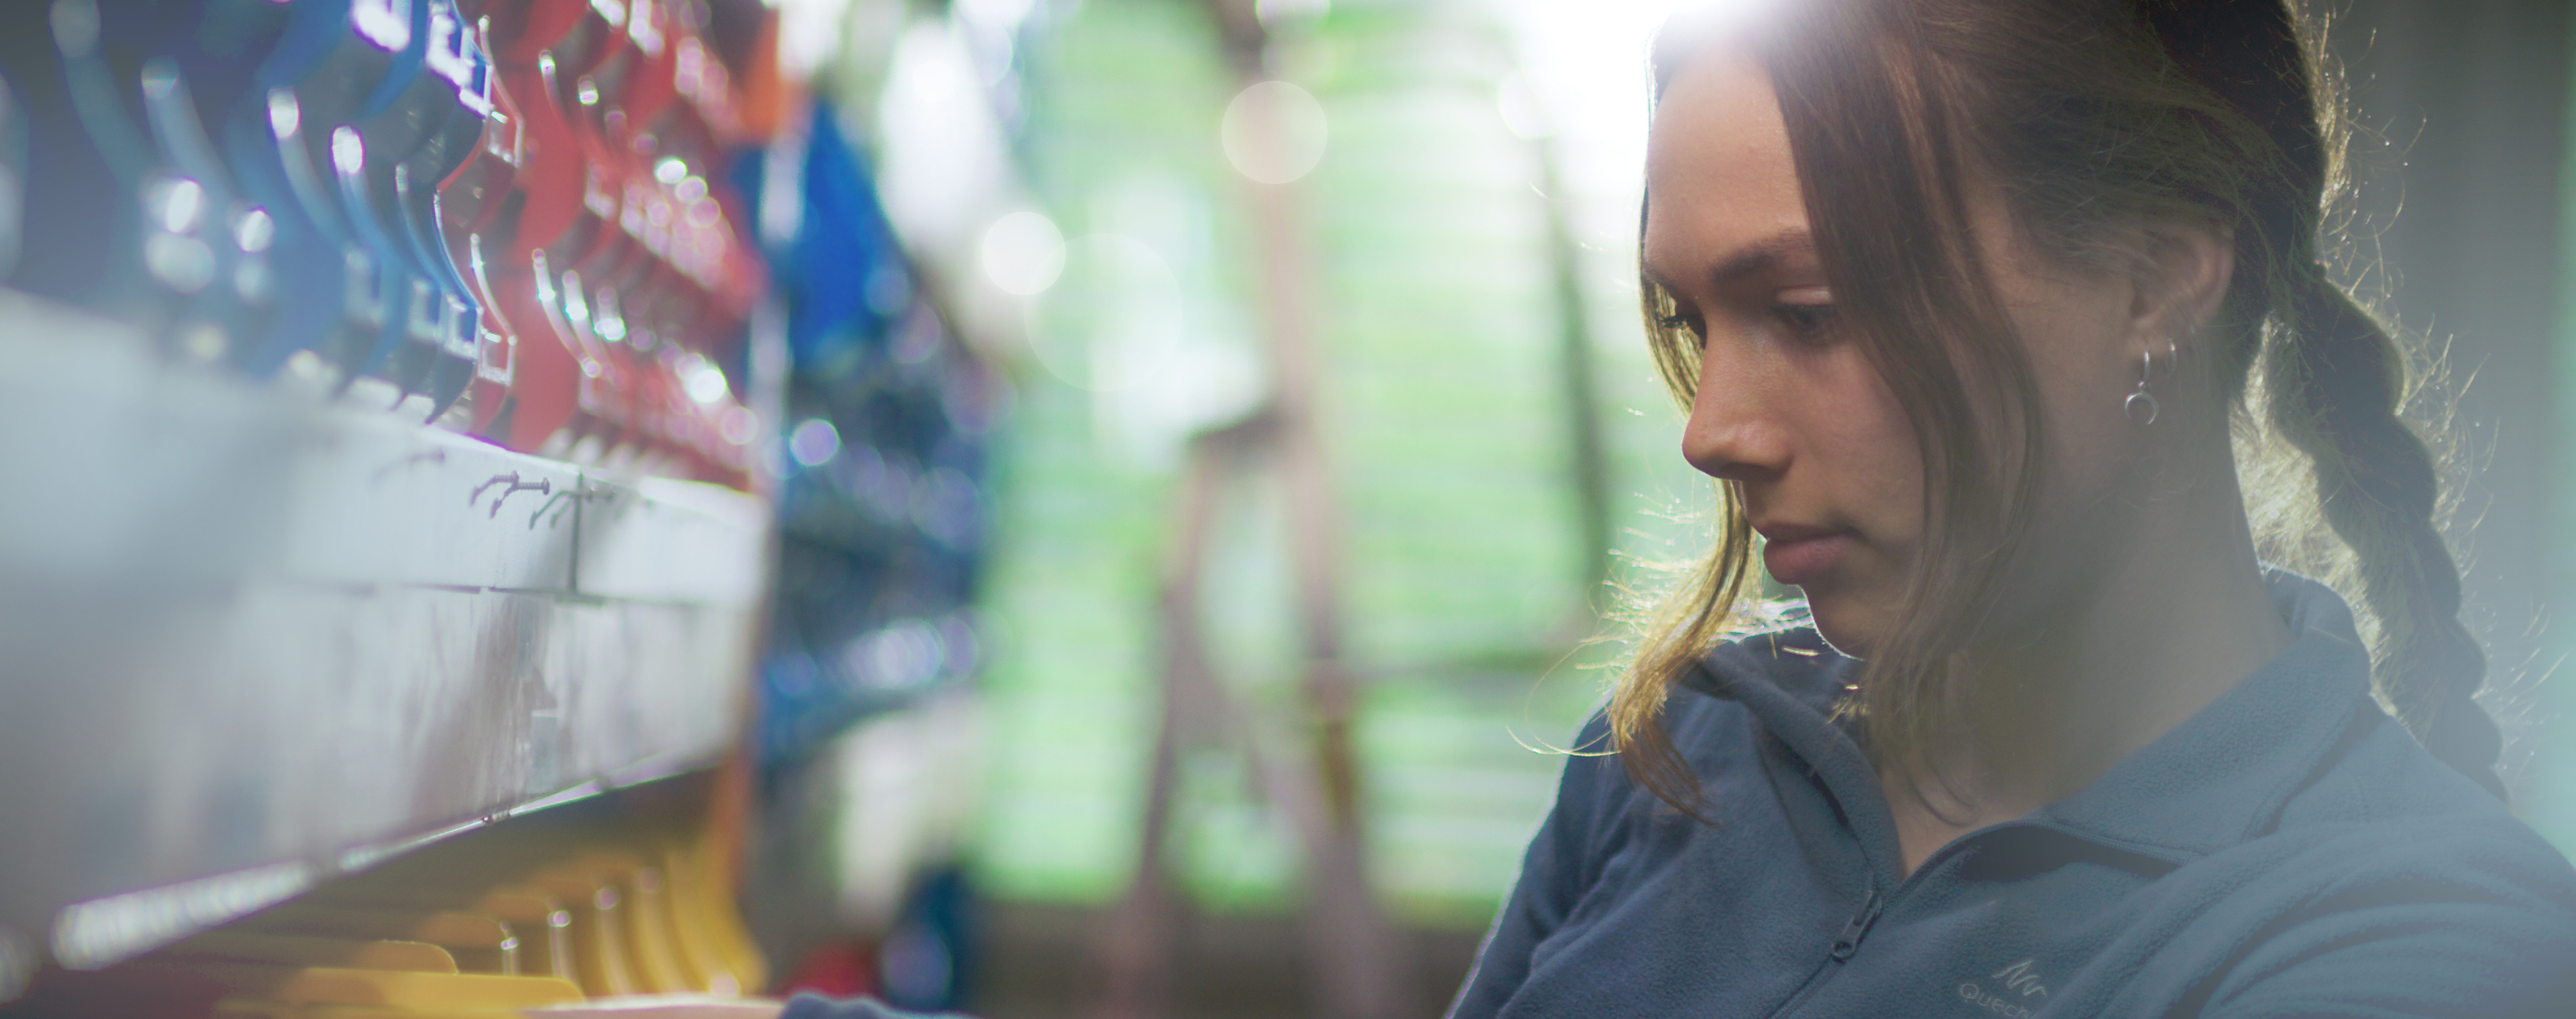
(1789, 410)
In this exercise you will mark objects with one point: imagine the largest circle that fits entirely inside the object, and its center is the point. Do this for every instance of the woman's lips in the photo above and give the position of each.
(1801, 559)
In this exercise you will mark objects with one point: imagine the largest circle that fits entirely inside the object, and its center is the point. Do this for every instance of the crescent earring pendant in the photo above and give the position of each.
(2141, 407)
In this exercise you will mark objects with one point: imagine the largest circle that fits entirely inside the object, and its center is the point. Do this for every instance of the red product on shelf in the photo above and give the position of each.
(596, 243)
(468, 201)
(551, 361)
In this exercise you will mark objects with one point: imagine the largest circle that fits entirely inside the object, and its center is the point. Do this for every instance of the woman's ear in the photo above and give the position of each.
(2182, 278)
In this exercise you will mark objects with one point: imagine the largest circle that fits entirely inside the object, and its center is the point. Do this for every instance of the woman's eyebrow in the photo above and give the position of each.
(1763, 255)
(1756, 258)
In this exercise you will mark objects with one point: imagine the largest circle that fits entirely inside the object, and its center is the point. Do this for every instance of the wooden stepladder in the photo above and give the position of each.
(1357, 964)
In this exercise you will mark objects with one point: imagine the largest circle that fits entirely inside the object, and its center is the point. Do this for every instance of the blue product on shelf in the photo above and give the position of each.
(881, 508)
(86, 231)
(177, 149)
(231, 68)
(418, 126)
(374, 48)
(843, 275)
(930, 960)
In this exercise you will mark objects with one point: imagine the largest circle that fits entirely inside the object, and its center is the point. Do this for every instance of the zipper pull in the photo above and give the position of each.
(1858, 927)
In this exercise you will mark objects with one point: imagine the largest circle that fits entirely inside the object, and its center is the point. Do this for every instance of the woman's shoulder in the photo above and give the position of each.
(2382, 779)
(1789, 658)
(1705, 709)
(2427, 913)
(2386, 806)
(1705, 713)
(2389, 876)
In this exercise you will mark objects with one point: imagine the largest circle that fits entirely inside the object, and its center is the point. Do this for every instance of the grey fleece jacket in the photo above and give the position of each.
(2287, 851)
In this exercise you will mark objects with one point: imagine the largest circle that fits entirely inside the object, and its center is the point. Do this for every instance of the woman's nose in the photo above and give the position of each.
(1732, 434)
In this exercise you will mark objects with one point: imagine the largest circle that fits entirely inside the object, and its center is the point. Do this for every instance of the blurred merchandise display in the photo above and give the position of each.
(926, 962)
(600, 901)
(436, 405)
(506, 217)
(855, 880)
(881, 502)
(867, 737)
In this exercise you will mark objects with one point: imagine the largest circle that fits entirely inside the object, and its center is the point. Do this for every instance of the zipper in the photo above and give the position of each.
(1846, 945)
(1857, 927)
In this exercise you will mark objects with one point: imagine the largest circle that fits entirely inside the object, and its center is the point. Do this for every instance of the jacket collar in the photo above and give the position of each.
(2223, 775)
(2219, 778)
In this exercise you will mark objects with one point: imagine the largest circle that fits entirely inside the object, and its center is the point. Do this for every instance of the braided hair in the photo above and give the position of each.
(2335, 377)
(2336, 385)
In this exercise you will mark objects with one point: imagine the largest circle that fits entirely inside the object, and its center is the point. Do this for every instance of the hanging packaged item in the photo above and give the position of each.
(508, 218)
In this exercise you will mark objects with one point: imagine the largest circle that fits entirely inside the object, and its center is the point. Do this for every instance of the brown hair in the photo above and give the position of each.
(2087, 113)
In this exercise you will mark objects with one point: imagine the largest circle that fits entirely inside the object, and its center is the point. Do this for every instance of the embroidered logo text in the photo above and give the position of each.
(2016, 991)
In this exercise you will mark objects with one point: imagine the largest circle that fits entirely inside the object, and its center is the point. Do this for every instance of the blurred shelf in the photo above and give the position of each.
(249, 639)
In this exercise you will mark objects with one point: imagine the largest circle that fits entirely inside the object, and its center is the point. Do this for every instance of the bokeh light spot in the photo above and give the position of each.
(1274, 132)
(814, 443)
(1023, 253)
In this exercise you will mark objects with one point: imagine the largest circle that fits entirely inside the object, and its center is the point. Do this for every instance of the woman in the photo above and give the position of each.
(1972, 302)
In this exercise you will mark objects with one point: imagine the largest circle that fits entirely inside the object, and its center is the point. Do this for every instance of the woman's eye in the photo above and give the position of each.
(1807, 323)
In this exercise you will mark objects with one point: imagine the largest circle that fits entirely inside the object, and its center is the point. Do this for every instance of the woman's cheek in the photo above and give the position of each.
(1883, 482)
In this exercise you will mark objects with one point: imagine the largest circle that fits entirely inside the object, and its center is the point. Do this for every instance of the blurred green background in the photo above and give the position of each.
(1446, 412)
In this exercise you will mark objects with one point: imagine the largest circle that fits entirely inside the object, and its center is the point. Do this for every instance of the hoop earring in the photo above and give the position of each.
(2130, 408)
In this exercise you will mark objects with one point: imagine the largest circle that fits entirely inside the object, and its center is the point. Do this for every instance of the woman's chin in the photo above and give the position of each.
(1849, 628)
